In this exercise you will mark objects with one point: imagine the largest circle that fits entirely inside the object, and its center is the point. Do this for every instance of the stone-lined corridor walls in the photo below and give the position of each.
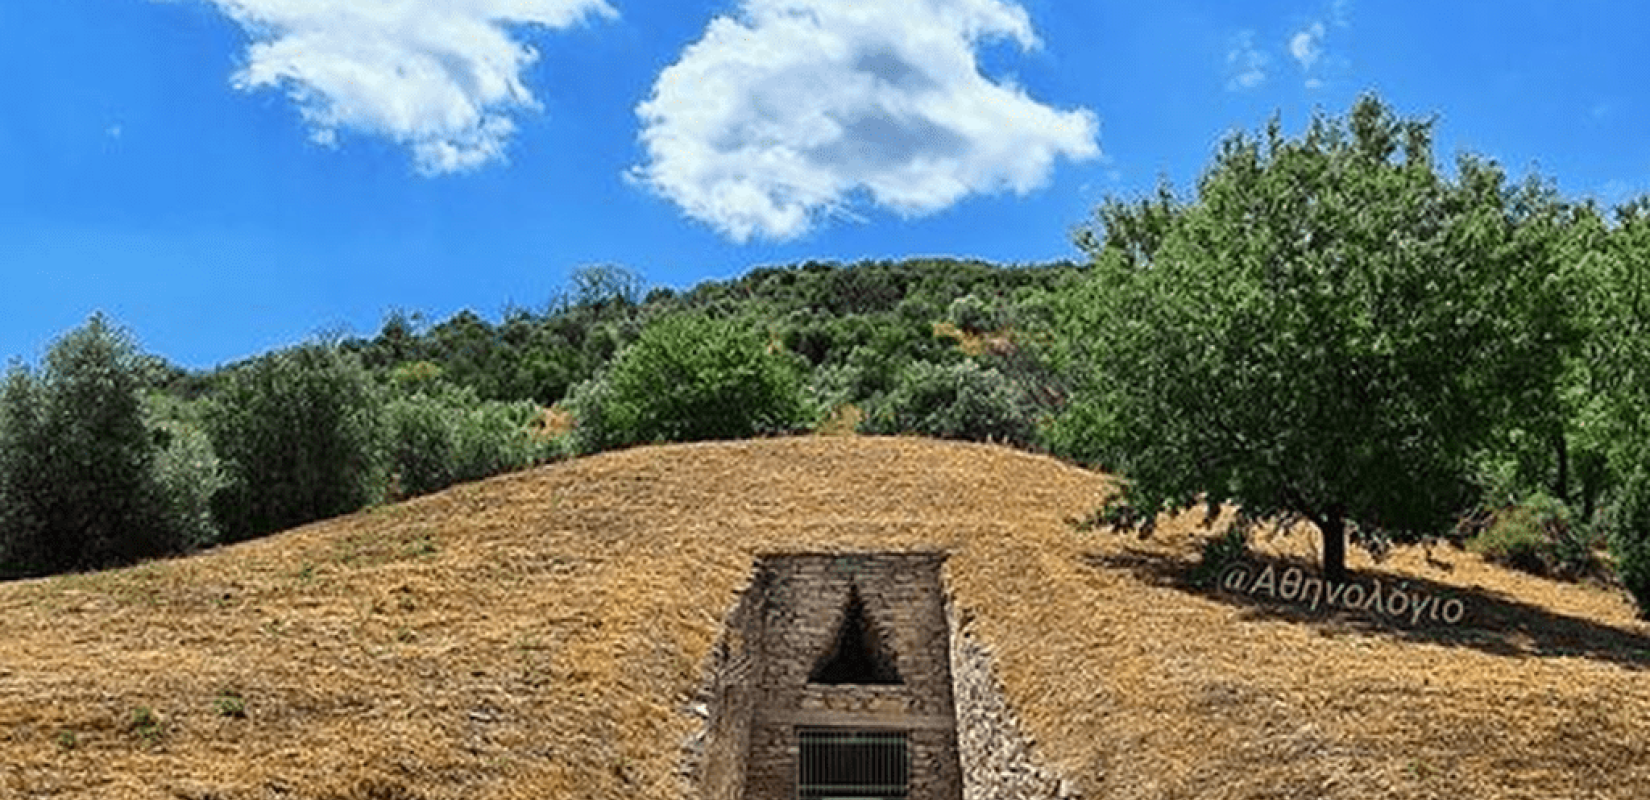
(832, 667)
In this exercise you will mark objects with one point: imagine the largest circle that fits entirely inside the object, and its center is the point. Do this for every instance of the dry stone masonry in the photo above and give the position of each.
(997, 757)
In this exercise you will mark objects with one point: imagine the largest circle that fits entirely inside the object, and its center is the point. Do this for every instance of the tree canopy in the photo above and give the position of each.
(1329, 330)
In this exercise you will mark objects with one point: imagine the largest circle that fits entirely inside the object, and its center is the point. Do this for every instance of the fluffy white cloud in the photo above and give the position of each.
(1307, 45)
(443, 77)
(784, 114)
(1246, 62)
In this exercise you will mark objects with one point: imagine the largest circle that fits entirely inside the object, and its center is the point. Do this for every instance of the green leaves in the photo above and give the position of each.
(439, 436)
(79, 484)
(954, 401)
(1325, 330)
(300, 430)
(691, 377)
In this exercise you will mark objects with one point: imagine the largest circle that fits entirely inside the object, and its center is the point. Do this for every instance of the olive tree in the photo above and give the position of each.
(78, 484)
(299, 430)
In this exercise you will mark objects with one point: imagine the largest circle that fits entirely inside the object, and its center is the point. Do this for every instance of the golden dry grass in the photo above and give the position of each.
(540, 635)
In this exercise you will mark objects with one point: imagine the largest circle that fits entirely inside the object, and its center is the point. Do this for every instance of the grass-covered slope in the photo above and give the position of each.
(542, 635)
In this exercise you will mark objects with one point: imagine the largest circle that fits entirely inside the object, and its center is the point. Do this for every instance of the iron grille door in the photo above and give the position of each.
(852, 764)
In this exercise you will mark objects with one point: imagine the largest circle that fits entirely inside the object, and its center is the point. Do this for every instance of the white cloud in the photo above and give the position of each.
(1246, 62)
(786, 113)
(1307, 45)
(442, 77)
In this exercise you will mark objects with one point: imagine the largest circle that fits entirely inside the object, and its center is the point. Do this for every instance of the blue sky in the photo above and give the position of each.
(228, 176)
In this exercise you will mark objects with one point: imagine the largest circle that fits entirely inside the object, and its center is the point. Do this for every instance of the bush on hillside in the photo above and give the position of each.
(441, 437)
(973, 315)
(299, 430)
(418, 445)
(78, 481)
(587, 402)
(1627, 525)
(953, 401)
(1536, 536)
(690, 377)
(187, 470)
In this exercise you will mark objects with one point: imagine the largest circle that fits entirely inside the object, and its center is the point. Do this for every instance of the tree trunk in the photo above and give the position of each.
(1333, 527)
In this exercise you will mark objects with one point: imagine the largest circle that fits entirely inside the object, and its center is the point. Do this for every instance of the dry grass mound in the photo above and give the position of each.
(541, 635)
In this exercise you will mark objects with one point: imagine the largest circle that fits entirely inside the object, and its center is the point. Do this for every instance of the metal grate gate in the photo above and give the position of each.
(852, 764)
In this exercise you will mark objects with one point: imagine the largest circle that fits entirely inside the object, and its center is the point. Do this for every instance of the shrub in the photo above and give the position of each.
(588, 403)
(78, 483)
(1632, 554)
(1627, 524)
(187, 470)
(419, 445)
(449, 436)
(1219, 552)
(953, 401)
(146, 725)
(230, 703)
(1515, 538)
(690, 377)
(1536, 536)
(299, 429)
(973, 315)
(490, 438)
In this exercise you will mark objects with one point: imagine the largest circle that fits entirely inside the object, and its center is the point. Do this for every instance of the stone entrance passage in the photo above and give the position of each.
(835, 681)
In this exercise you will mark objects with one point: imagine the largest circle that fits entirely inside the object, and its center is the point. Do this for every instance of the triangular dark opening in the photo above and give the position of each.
(858, 655)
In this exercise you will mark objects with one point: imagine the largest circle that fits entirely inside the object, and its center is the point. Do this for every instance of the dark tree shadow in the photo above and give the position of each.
(1493, 622)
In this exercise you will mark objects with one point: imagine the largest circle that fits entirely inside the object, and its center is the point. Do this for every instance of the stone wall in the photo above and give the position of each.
(715, 758)
(997, 758)
(806, 599)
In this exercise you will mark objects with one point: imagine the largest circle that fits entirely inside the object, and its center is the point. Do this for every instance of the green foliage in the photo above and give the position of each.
(604, 285)
(953, 401)
(1627, 525)
(1537, 536)
(22, 530)
(186, 469)
(1517, 538)
(973, 315)
(1331, 328)
(418, 433)
(1612, 387)
(299, 430)
(879, 312)
(691, 377)
(409, 377)
(529, 356)
(589, 404)
(444, 436)
(78, 463)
